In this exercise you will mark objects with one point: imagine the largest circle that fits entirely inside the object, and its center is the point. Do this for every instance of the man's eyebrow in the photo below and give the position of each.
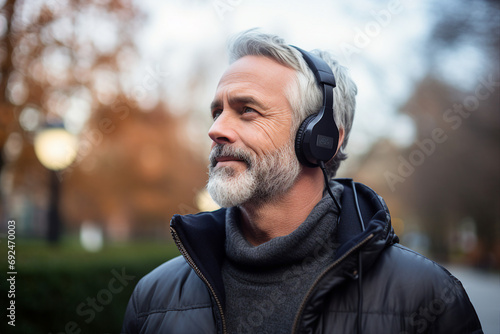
(238, 100)
(246, 99)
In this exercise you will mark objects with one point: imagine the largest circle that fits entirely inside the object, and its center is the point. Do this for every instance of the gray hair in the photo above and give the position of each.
(304, 94)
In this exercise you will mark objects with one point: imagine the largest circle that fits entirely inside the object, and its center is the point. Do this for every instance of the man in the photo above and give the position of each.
(291, 253)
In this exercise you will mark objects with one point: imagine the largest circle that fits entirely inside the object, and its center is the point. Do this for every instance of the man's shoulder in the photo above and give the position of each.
(416, 278)
(425, 291)
(169, 297)
(162, 287)
(170, 270)
(414, 267)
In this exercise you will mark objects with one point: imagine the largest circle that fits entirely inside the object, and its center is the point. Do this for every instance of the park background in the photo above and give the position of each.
(131, 83)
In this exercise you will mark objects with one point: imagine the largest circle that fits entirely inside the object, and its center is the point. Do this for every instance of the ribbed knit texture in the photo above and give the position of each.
(266, 284)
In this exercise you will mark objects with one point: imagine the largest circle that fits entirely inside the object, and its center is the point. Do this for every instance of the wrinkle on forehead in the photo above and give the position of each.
(259, 70)
(257, 77)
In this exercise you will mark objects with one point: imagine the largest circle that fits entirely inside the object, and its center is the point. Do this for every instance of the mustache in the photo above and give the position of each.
(224, 150)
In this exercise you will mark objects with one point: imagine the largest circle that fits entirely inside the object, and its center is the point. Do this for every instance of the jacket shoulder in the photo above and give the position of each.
(428, 295)
(162, 288)
(410, 272)
(413, 265)
(170, 295)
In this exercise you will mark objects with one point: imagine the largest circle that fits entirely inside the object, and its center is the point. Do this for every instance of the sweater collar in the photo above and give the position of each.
(314, 235)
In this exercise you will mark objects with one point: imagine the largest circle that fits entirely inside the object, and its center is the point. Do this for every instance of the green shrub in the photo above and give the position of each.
(65, 289)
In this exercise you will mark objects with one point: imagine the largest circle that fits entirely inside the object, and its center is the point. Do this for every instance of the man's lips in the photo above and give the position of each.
(227, 158)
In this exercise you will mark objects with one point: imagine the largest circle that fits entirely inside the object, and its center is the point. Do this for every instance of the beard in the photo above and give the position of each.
(265, 179)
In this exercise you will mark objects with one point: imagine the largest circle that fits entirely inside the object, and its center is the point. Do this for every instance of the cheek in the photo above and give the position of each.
(265, 142)
(268, 132)
(278, 135)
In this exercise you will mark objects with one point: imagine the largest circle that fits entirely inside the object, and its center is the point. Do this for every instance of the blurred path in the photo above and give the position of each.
(484, 292)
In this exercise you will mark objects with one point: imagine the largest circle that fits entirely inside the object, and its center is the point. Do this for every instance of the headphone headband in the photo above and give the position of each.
(319, 67)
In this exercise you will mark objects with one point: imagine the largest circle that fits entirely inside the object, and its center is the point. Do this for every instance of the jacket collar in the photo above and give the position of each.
(203, 236)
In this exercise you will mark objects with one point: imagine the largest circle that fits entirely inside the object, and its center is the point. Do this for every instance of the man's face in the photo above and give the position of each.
(252, 158)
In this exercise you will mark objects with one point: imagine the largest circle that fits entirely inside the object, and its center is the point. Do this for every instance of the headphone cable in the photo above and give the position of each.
(327, 184)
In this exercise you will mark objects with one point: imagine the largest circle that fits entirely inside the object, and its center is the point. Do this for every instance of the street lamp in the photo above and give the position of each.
(56, 149)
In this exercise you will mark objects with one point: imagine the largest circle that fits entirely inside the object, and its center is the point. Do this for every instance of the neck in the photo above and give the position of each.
(263, 222)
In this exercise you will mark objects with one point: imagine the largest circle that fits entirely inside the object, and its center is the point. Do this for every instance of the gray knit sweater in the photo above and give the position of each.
(266, 284)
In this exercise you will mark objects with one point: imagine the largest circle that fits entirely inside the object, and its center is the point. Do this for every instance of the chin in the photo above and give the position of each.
(230, 190)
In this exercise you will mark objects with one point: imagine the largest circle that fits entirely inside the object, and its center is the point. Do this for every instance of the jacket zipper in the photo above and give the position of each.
(320, 277)
(198, 272)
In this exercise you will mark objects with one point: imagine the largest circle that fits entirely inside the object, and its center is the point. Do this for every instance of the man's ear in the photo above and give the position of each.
(341, 139)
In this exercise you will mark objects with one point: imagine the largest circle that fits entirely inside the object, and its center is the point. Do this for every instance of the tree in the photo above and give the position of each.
(456, 176)
(74, 62)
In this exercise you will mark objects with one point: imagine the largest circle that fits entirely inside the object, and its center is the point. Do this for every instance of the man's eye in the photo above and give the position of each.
(216, 114)
(248, 109)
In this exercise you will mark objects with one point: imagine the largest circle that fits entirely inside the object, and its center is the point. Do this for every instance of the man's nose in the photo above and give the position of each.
(223, 131)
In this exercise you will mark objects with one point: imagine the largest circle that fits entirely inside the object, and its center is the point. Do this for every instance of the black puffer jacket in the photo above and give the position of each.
(374, 285)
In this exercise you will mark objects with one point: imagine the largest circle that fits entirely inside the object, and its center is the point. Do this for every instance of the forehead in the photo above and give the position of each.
(258, 74)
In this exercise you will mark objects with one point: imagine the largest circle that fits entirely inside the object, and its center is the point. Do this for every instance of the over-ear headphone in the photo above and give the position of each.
(317, 137)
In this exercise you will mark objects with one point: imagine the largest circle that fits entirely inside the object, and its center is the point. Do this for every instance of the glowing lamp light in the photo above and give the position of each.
(55, 147)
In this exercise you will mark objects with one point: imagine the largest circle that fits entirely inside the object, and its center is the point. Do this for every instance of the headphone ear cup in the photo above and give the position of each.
(299, 142)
